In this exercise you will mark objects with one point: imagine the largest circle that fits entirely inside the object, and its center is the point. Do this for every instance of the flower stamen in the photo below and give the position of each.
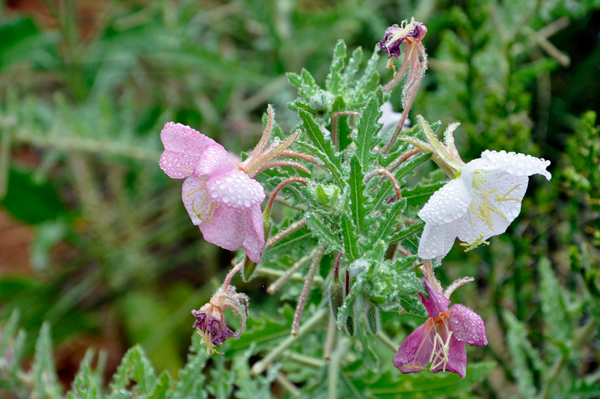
(206, 339)
(503, 198)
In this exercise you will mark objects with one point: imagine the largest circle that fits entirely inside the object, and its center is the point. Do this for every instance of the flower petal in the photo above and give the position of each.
(496, 202)
(447, 204)
(195, 198)
(236, 190)
(457, 359)
(183, 149)
(467, 326)
(513, 163)
(437, 302)
(254, 244)
(215, 160)
(437, 241)
(227, 228)
(414, 353)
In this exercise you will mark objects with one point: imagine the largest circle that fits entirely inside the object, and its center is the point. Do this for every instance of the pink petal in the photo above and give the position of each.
(254, 244)
(437, 302)
(214, 161)
(467, 326)
(195, 197)
(183, 148)
(227, 228)
(457, 359)
(414, 353)
(236, 190)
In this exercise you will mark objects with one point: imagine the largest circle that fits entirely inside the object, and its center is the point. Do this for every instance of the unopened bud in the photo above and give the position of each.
(372, 315)
(248, 269)
(336, 296)
(350, 327)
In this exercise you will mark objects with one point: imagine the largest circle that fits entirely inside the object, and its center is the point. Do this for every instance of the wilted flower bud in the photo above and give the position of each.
(210, 318)
(395, 35)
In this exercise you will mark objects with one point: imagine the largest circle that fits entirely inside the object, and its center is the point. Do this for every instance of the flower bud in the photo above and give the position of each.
(248, 269)
(210, 323)
(336, 296)
(350, 327)
(372, 315)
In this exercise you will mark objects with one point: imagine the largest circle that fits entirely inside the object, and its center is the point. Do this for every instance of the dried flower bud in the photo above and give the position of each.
(210, 318)
(395, 35)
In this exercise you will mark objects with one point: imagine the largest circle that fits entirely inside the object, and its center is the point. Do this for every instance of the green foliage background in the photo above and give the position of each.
(112, 260)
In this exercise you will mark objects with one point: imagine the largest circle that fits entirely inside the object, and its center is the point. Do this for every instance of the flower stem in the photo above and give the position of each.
(387, 340)
(279, 187)
(331, 332)
(287, 384)
(384, 172)
(318, 280)
(305, 360)
(281, 235)
(289, 273)
(316, 261)
(335, 126)
(230, 275)
(428, 271)
(399, 75)
(310, 324)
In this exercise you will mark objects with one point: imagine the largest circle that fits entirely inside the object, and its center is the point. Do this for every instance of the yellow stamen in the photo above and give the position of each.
(210, 348)
(478, 241)
(195, 191)
(503, 198)
(440, 356)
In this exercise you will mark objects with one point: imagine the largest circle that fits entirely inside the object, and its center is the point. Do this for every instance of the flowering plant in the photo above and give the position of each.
(348, 213)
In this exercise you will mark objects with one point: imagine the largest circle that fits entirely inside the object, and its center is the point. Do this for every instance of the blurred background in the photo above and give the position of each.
(94, 237)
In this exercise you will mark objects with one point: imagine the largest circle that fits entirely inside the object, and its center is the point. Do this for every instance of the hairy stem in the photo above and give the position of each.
(316, 261)
(230, 275)
(331, 332)
(281, 235)
(310, 324)
(287, 274)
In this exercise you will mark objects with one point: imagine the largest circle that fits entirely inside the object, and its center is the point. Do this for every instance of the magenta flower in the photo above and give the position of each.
(441, 340)
(220, 198)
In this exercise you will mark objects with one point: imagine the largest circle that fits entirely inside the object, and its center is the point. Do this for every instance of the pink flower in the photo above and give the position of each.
(441, 339)
(220, 198)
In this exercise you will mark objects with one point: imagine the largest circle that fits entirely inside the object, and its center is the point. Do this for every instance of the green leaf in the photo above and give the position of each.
(353, 64)
(370, 78)
(333, 168)
(324, 233)
(407, 232)
(44, 373)
(191, 377)
(420, 194)
(319, 140)
(556, 316)
(426, 384)
(300, 241)
(350, 238)
(357, 196)
(389, 220)
(221, 384)
(366, 132)
(85, 384)
(261, 332)
(336, 81)
(344, 130)
(134, 366)
(8, 332)
(162, 387)
(294, 79)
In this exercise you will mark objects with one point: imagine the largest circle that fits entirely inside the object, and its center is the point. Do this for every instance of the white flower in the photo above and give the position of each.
(481, 202)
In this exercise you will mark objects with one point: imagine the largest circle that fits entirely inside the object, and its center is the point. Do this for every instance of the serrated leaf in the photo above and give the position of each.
(294, 79)
(407, 232)
(358, 199)
(420, 194)
(371, 77)
(366, 132)
(317, 137)
(344, 130)
(333, 168)
(262, 332)
(553, 306)
(299, 241)
(85, 385)
(389, 220)
(44, 373)
(425, 384)
(221, 384)
(9, 331)
(135, 366)
(323, 232)
(336, 82)
(350, 238)
(191, 377)
(353, 64)
(162, 387)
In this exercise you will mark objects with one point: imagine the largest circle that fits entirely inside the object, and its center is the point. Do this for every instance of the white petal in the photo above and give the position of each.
(437, 241)
(515, 164)
(500, 193)
(447, 204)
